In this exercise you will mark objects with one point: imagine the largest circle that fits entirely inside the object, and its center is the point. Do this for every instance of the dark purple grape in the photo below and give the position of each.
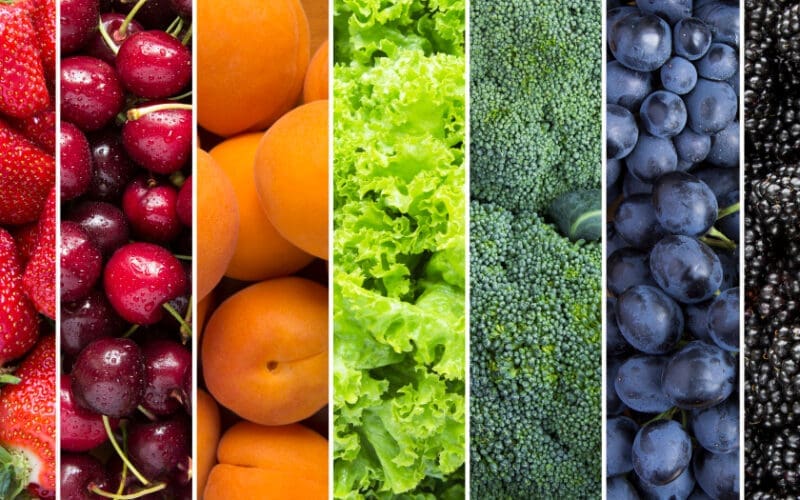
(621, 132)
(652, 157)
(718, 473)
(661, 451)
(723, 320)
(627, 87)
(638, 384)
(649, 319)
(684, 204)
(691, 38)
(663, 114)
(699, 376)
(620, 432)
(640, 42)
(628, 267)
(717, 428)
(678, 75)
(686, 268)
(636, 222)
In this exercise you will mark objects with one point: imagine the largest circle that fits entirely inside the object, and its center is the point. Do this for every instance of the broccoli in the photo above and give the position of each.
(535, 97)
(535, 358)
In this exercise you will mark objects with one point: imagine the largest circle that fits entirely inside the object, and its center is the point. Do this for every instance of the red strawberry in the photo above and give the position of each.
(19, 323)
(28, 429)
(25, 237)
(43, 18)
(27, 174)
(40, 129)
(23, 90)
(39, 280)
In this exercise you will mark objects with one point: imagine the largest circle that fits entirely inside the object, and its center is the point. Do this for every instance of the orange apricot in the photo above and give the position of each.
(261, 252)
(252, 65)
(257, 461)
(208, 430)
(217, 223)
(291, 175)
(316, 84)
(265, 351)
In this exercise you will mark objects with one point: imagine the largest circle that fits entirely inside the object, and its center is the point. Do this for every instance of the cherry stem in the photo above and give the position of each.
(728, 210)
(130, 331)
(178, 28)
(122, 456)
(136, 113)
(182, 257)
(187, 334)
(171, 310)
(177, 178)
(147, 413)
(175, 22)
(131, 496)
(124, 475)
(107, 38)
(123, 28)
(187, 36)
(182, 96)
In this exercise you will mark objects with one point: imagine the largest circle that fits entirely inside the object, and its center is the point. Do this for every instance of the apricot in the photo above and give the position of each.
(217, 223)
(263, 462)
(291, 176)
(208, 431)
(261, 252)
(316, 83)
(252, 65)
(265, 351)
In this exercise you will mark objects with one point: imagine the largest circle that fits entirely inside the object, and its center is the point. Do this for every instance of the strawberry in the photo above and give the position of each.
(40, 129)
(23, 89)
(25, 237)
(43, 18)
(27, 174)
(19, 323)
(28, 423)
(39, 280)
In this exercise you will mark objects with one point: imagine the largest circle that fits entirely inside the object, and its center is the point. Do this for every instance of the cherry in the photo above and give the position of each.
(150, 206)
(86, 320)
(111, 23)
(76, 162)
(182, 7)
(81, 429)
(166, 363)
(81, 262)
(154, 65)
(78, 23)
(159, 137)
(108, 377)
(104, 222)
(156, 448)
(79, 472)
(139, 278)
(153, 14)
(91, 94)
(184, 205)
(112, 167)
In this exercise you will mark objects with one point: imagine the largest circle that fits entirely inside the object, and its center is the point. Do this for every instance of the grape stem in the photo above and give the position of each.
(122, 455)
(667, 415)
(728, 210)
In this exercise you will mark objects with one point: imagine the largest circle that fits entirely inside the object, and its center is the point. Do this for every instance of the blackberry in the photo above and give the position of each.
(776, 199)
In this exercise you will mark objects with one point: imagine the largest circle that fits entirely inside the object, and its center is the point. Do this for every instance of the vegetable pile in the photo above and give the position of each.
(262, 244)
(126, 249)
(672, 145)
(399, 250)
(535, 293)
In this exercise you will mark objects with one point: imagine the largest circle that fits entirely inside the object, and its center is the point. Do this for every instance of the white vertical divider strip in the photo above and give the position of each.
(742, 374)
(57, 107)
(604, 244)
(331, 263)
(195, 229)
(467, 294)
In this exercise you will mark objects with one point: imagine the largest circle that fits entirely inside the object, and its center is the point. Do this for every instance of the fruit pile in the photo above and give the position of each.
(125, 254)
(262, 246)
(772, 279)
(27, 249)
(672, 283)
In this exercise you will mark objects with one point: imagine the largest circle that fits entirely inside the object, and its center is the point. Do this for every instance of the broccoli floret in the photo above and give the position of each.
(535, 358)
(535, 97)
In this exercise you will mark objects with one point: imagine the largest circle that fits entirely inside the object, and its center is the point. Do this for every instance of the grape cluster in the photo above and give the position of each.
(673, 296)
(772, 246)
(125, 254)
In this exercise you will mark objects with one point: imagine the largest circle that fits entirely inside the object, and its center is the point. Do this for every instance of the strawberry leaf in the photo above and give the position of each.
(13, 475)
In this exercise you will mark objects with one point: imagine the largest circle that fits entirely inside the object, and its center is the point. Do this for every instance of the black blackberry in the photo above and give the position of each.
(776, 200)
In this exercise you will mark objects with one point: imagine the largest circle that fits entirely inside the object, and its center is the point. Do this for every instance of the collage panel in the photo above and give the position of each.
(772, 282)
(262, 247)
(125, 249)
(399, 249)
(673, 250)
(535, 252)
(27, 250)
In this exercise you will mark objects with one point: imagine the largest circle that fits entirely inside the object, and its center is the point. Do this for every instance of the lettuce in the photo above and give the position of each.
(399, 250)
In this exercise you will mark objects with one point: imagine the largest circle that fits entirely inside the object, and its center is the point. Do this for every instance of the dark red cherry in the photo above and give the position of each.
(87, 320)
(76, 162)
(78, 23)
(156, 448)
(79, 472)
(159, 140)
(91, 95)
(154, 65)
(105, 223)
(112, 167)
(184, 205)
(81, 262)
(81, 429)
(165, 366)
(150, 206)
(112, 22)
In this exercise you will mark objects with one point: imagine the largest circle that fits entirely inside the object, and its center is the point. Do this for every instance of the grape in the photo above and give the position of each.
(684, 204)
(687, 269)
(620, 432)
(616, 345)
(631, 185)
(692, 38)
(717, 473)
(717, 428)
(724, 150)
(680, 487)
(627, 87)
(661, 451)
(719, 63)
(636, 222)
(640, 42)
(695, 318)
(663, 114)
(638, 383)
(614, 405)
(628, 267)
(613, 168)
(678, 75)
(671, 10)
(692, 146)
(711, 106)
(621, 132)
(652, 157)
(699, 376)
(723, 320)
(618, 488)
(649, 319)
